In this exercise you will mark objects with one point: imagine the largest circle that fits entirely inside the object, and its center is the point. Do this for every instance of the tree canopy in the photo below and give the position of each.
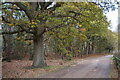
(71, 28)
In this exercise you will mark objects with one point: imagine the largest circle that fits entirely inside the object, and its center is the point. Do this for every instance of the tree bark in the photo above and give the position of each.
(38, 59)
(8, 44)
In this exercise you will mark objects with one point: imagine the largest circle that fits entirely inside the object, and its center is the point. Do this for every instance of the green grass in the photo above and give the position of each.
(47, 67)
(31, 67)
(113, 70)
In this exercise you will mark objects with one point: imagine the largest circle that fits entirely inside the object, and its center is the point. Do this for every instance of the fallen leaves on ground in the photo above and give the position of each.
(17, 68)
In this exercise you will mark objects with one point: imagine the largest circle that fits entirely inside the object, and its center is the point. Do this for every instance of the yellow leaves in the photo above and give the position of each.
(83, 29)
(96, 34)
(11, 24)
(33, 24)
(76, 30)
(38, 20)
(29, 42)
(82, 37)
(14, 6)
(68, 17)
(49, 14)
(18, 38)
(62, 36)
(79, 25)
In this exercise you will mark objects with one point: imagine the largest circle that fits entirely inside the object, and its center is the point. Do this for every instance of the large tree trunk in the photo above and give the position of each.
(38, 59)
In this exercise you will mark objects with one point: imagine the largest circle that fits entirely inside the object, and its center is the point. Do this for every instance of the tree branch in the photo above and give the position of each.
(12, 8)
(25, 9)
(28, 39)
(34, 5)
(23, 29)
(55, 6)
(21, 6)
(44, 5)
(78, 13)
(14, 32)
(66, 16)
(3, 19)
(58, 26)
(26, 30)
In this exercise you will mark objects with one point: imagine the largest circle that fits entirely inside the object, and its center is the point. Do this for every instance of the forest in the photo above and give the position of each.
(40, 31)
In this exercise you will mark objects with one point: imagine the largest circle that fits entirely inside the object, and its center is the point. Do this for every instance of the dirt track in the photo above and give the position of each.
(97, 67)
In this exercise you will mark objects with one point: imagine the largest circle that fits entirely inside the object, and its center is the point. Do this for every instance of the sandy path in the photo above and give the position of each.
(97, 67)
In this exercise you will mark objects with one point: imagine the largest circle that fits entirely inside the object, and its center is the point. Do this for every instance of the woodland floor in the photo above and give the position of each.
(21, 69)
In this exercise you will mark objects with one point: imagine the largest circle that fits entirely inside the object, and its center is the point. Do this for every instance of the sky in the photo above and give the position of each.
(113, 16)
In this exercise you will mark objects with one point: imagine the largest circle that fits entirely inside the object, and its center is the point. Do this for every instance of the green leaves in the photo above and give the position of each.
(92, 28)
(88, 25)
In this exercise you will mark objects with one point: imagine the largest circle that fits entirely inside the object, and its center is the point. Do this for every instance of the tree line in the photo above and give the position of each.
(65, 29)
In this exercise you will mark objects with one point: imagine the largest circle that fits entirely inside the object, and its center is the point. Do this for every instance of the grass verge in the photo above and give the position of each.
(113, 70)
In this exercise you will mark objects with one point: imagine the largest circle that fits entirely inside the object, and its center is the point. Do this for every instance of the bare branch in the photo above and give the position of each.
(3, 19)
(55, 6)
(21, 6)
(34, 6)
(47, 4)
(44, 5)
(12, 8)
(25, 9)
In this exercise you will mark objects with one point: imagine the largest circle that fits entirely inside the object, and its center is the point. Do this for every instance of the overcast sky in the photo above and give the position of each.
(113, 16)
